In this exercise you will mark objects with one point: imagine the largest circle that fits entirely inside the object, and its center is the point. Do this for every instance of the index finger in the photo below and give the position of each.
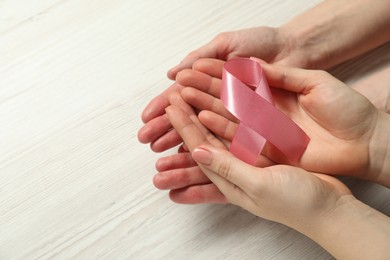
(156, 107)
(186, 128)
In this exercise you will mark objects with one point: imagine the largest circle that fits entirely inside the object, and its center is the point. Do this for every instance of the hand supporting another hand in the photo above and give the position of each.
(341, 134)
(340, 122)
(179, 173)
(271, 44)
(317, 205)
(268, 43)
(271, 179)
(319, 38)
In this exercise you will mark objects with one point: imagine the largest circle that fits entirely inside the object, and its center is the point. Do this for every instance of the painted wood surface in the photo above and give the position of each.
(74, 181)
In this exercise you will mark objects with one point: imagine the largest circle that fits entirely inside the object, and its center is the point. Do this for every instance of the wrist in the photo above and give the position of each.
(335, 31)
(350, 226)
(379, 151)
(308, 44)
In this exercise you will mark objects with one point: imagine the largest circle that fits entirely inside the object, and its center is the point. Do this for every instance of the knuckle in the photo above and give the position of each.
(224, 169)
(222, 36)
(193, 54)
(197, 64)
(256, 190)
(236, 197)
(183, 75)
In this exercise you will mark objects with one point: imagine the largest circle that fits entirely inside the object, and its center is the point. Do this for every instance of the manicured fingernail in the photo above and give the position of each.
(202, 156)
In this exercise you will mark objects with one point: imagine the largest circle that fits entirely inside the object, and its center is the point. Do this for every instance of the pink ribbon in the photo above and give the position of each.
(260, 120)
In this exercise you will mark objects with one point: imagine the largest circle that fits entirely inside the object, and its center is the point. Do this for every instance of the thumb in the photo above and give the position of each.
(219, 162)
(290, 79)
(209, 50)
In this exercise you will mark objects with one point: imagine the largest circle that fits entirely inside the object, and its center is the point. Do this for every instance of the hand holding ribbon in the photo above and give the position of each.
(259, 119)
(338, 120)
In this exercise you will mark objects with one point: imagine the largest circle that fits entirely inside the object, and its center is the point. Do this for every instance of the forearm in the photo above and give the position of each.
(337, 30)
(352, 230)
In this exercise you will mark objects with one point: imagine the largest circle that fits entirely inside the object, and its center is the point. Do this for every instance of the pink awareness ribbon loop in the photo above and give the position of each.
(260, 120)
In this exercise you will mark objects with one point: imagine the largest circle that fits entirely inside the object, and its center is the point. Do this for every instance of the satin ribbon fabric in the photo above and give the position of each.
(260, 120)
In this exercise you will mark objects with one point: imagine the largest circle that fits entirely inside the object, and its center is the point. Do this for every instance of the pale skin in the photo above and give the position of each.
(322, 208)
(353, 142)
(319, 38)
(324, 36)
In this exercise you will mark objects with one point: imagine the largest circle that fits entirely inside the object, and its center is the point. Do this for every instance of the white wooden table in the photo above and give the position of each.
(74, 181)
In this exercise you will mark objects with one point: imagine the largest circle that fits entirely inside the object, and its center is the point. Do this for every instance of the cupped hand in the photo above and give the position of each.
(285, 194)
(270, 44)
(157, 129)
(339, 121)
(179, 173)
(281, 193)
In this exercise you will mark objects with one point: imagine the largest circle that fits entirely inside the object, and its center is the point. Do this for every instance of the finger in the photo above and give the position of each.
(157, 105)
(186, 128)
(175, 161)
(210, 50)
(177, 101)
(233, 172)
(201, 81)
(207, 193)
(291, 79)
(226, 129)
(181, 149)
(218, 124)
(167, 141)
(153, 129)
(180, 178)
(212, 67)
(204, 101)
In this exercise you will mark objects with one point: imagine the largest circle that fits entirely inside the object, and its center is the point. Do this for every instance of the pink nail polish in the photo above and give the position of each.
(202, 156)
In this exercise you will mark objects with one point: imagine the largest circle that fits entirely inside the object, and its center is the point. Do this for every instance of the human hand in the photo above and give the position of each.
(157, 129)
(281, 193)
(317, 205)
(339, 121)
(270, 44)
(180, 173)
(269, 192)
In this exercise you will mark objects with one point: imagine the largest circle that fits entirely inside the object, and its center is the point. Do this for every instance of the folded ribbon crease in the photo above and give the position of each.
(260, 120)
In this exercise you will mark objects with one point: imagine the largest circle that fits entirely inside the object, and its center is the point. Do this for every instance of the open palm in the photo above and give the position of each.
(339, 121)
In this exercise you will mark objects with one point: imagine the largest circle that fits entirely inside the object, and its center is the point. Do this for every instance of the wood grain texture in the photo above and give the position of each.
(74, 181)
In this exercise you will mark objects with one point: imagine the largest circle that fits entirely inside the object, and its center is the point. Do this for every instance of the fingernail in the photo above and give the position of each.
(202, 156)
